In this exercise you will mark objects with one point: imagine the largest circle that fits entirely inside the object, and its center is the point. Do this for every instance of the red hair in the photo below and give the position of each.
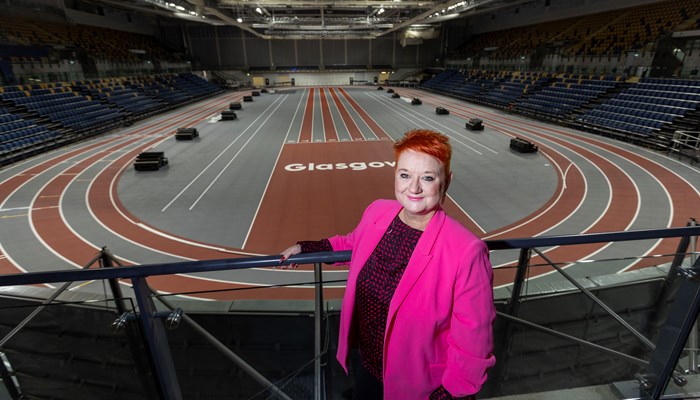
(429, 142)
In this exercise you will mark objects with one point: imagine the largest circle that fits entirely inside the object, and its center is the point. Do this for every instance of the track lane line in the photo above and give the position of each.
(235, 156)
(379, 133)
(329, 131)
(177, 196)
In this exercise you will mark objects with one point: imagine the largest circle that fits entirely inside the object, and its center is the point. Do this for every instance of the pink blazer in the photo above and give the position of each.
(439, 327)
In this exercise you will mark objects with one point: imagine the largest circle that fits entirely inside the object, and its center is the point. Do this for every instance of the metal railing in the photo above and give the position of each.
(154, 335)
(686, 143)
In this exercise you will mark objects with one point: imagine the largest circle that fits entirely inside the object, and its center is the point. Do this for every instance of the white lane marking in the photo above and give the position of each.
(215, 159)
(334, 96)
(329, 101)
(566, 173)
(14, 209)
(176, 239)
(351, 112)
(627, 156)
(351, 102)
(286, 137)
(143, 226)
(269, 178)
(551, 206)
(111, 190)
(305, 96)
(113, 202)
(621, 152)
(467, 215)
(19, 268)
(104, 144)
(235, 156)
(415, 119)
(36, 196)
(36, 234)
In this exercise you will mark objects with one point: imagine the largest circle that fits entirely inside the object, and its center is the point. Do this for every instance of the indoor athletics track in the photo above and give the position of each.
(303, 163)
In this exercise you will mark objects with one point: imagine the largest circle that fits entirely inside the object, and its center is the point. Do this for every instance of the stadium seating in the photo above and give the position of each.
(643, 109)
(606, 33)
(564, 95)
(19, 136)
(100, 43)
(37, 117)
(506, 92)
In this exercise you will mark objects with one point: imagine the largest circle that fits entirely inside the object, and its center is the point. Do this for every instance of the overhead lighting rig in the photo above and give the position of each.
(275, 19)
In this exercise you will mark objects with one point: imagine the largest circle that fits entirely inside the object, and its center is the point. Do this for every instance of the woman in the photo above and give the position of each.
(419, 300)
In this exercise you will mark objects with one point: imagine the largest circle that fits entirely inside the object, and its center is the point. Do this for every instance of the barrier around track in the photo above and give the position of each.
(654, 381)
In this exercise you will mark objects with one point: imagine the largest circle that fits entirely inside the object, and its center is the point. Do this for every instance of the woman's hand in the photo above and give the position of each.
(292, 251)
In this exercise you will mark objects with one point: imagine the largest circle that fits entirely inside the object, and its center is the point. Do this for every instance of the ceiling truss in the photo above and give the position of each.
(307, 19)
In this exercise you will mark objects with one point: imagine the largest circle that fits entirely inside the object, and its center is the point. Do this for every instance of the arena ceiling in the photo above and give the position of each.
(331, 19)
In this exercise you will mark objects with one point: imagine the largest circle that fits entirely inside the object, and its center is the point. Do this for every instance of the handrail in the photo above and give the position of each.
(157, 341)
(323, 257)
(587, 238)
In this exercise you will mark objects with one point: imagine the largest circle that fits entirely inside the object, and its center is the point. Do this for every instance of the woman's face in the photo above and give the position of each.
(419, 183)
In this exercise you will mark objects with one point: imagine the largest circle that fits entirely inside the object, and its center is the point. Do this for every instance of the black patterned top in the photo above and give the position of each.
(376, 285)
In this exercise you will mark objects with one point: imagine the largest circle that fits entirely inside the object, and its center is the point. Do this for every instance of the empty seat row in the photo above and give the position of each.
(648, 106)
(624, 126)
(630, 119)
(23, 133)
(665, 94)
(8, 117)
(688, 105)
(671, 81)
(672, 88)
(15, 125)
(43, 98)
(658, 116)
(33, 140)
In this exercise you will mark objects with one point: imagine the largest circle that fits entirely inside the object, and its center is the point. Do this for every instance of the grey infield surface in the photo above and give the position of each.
(213, 185)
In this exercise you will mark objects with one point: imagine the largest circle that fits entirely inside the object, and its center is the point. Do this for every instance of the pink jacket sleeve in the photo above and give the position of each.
(347, 242)
(472, 323)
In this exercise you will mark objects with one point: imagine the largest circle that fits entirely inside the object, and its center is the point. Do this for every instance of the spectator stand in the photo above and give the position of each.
(507, 92)
(565, 96)
(648, 112)
(20, 137)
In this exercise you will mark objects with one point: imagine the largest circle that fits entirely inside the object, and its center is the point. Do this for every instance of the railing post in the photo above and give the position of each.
(674, 334)
(106, 261)
(503, 347)
(8, 379)
(521, 273)
(141, 361)
(693, 339)
(276, 392)
(318, 333)
(157, 342)
(670, 285)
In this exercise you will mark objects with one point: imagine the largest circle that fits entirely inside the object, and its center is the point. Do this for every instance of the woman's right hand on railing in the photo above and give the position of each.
(291, 251)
